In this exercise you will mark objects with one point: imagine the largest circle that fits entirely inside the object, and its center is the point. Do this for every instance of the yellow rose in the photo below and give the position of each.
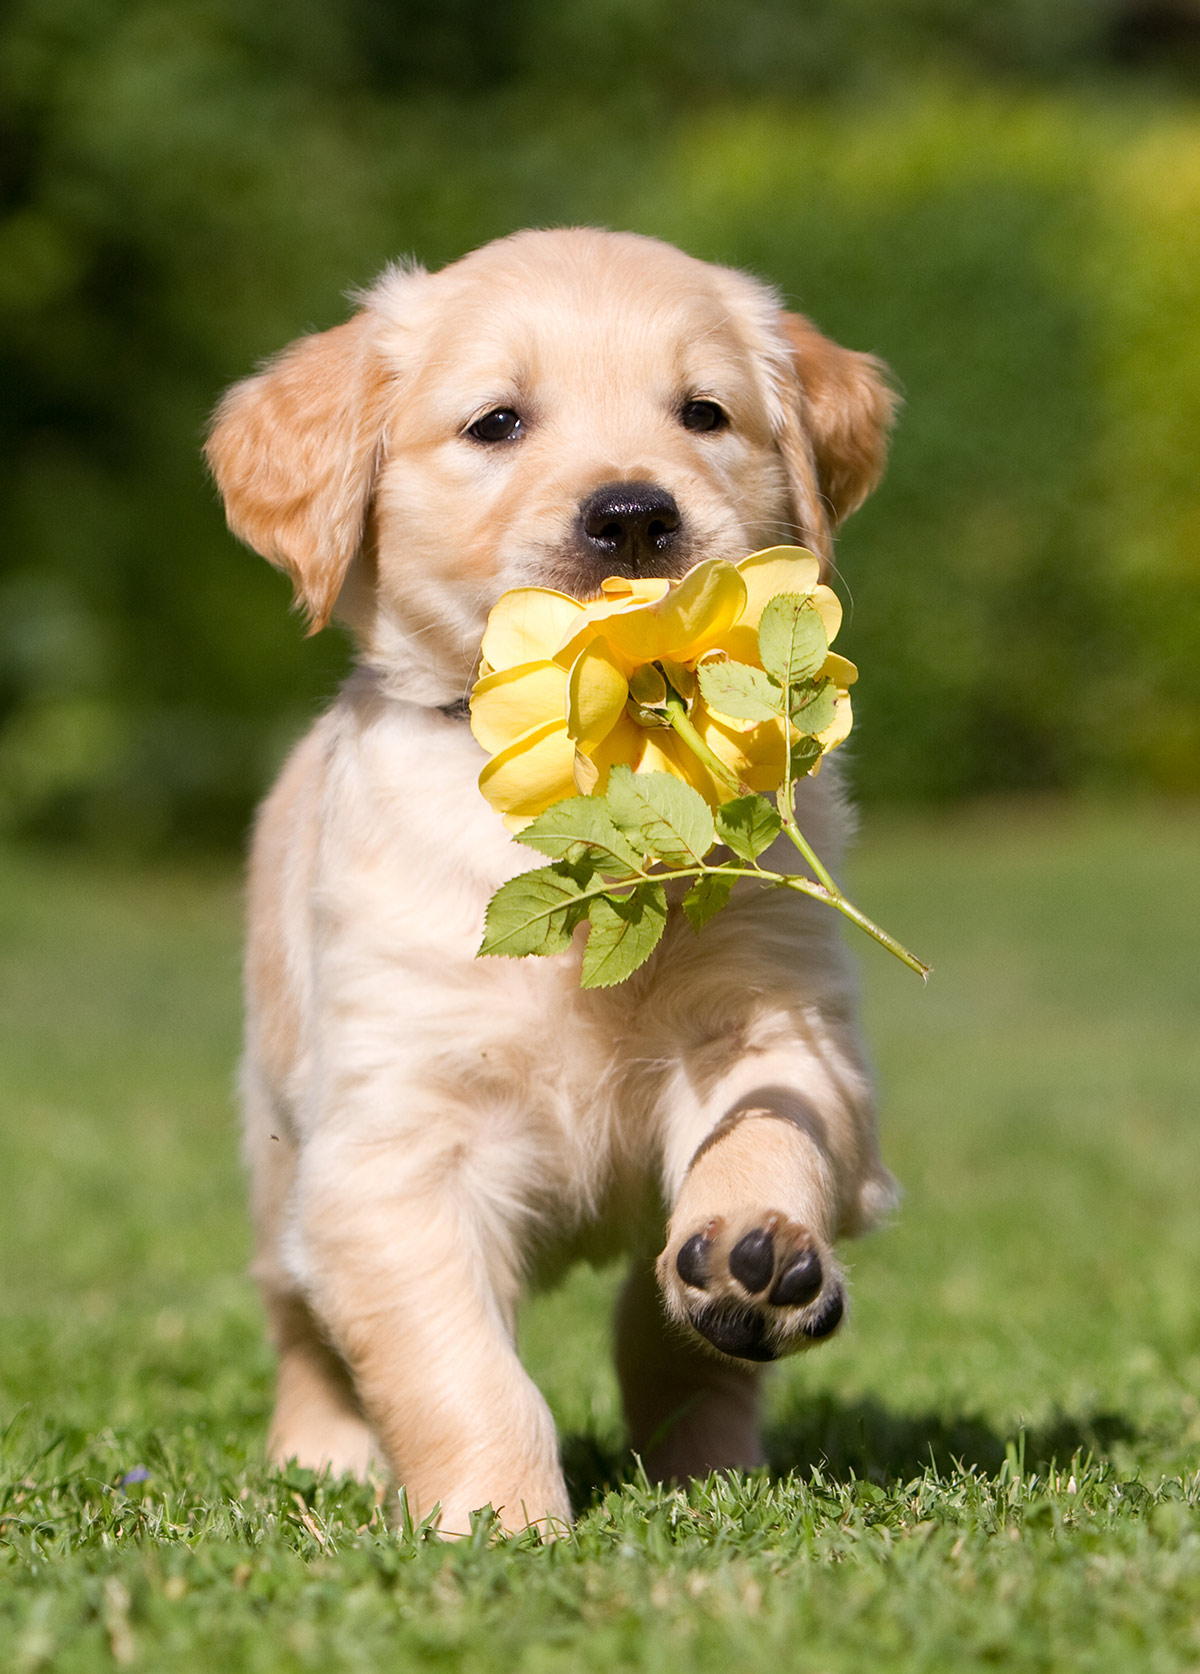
(568, 690)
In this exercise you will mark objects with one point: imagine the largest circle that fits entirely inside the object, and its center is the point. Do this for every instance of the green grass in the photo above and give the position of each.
(997, 1465)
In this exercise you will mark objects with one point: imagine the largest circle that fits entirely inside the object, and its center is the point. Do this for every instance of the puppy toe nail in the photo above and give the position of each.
(752, 1259)
(799, 1282)
(827, 1317)
(691, 1262)
(738, 1332)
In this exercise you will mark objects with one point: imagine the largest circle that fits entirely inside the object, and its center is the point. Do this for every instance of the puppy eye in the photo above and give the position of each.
(703, 415)
(502, 425)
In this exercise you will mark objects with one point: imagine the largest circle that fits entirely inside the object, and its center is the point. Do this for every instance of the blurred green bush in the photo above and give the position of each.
(1002, 202)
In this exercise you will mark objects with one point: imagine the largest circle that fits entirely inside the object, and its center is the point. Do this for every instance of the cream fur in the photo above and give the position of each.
(429, 1133)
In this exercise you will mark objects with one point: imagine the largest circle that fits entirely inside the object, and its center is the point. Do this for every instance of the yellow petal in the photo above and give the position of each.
(665, 753)
(512, 702)
(531, 773)
(527, 624)
(625, 743)
(573, 643)
(645, 589)
(780, 569)
(647, 620)
(838, 669)
(597, 617)
(741, 643)
(587, 774)
(830, 606)
(754, 754)
(596, 694)
(708, 600)
(839, 728)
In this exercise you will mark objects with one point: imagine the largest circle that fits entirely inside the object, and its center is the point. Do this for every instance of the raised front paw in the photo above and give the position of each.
(755, 1288)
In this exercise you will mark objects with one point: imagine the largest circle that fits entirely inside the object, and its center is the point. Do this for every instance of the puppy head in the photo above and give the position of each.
(553, 409)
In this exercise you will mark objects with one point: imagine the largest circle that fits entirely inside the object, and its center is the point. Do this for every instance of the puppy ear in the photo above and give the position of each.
(294, 451)
(847, 409)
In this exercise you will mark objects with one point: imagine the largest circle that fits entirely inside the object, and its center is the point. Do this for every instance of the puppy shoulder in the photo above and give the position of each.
(282, 869)
(283, 841)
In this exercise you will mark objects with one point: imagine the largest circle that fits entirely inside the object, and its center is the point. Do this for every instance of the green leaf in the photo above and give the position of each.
(535, 912)
(806, 753)
(739, 691)
(661, 816)
(813, 704)
(625, 931)
(748, 825)
(581, 828)
(791, 638)
(706, 897)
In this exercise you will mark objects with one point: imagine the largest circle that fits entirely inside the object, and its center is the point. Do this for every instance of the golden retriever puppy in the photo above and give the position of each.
(430, 1133)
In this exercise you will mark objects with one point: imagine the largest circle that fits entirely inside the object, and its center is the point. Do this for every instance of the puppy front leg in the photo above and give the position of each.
(748, 1264)
(769, 1154)
(748, 1273)
(417, 1294)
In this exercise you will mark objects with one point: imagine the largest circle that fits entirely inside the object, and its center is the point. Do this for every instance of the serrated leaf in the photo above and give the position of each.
(813, 705)
(534, 913)
(581, 828)
(739, 691)
(805, 754)
(625, 931)
(791, 638)
(661, 816)
(748, 825)
(706, 897)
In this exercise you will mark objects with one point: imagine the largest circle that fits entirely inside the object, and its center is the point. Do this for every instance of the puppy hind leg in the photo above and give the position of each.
(317, 1421)
(688, 1413)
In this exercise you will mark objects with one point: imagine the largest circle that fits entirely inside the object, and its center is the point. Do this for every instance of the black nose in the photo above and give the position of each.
(630, 523)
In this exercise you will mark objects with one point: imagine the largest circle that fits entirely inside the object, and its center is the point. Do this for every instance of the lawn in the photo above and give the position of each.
(997, 1464)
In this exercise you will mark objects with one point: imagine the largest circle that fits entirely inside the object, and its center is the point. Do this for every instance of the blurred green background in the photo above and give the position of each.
(1002, 201)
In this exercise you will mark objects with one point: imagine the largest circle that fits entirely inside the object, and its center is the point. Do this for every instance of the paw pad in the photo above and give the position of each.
(764, 1289)
(691, 1262)
(827, 1317)
(799, 1282)
(737, 1331)
(752, 1259)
